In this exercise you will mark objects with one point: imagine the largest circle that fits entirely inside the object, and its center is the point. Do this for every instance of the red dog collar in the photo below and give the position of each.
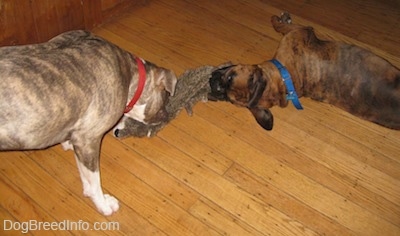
(139, 90)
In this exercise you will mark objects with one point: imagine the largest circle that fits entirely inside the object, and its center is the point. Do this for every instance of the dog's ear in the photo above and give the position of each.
(166, 79)
(263, 117)
(256, 86)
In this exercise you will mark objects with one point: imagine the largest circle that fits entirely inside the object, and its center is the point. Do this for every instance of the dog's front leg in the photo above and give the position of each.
(87, 159)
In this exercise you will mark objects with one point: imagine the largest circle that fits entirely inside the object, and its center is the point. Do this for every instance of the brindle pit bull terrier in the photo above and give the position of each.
(346, 76)
(72, 90)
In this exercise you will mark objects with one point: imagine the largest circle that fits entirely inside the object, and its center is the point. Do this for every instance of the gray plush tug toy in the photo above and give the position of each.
(192, 86)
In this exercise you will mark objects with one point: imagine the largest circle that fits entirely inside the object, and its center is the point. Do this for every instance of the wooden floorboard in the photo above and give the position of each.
(321, 171)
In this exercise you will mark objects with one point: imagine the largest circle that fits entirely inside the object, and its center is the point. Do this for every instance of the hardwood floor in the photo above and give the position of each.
(321, 171)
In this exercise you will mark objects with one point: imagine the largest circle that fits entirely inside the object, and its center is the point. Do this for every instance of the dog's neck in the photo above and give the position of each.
(287, 80)
(140, 87)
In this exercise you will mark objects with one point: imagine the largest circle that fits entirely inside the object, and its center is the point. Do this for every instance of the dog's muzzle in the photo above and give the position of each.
(218, 88)
(158, 118)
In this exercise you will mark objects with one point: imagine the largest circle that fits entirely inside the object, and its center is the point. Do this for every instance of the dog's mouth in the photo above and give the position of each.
(217, 96)
(158, 118)
(130, 126)
(139, 128)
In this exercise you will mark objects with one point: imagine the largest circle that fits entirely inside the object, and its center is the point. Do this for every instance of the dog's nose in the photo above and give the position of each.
(116, 133)
(215, 84)
(218, 91)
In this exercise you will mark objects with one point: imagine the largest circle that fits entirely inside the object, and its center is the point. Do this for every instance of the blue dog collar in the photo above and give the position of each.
(287, 79)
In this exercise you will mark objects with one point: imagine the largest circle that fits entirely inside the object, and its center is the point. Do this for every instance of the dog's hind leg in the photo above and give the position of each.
(87, 159)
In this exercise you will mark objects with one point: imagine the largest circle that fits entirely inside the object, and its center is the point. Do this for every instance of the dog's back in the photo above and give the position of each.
(46, 89)
(344, 75)
(366, 85)
(354, 79)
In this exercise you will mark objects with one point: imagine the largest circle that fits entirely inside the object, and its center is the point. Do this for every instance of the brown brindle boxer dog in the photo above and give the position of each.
(343, 75)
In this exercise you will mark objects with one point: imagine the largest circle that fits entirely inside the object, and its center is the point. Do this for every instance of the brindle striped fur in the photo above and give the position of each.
(72, 90)
(346, 76)
(46, 89)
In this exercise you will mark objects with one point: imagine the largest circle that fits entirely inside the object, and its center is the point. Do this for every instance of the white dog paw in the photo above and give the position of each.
(109, 206)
